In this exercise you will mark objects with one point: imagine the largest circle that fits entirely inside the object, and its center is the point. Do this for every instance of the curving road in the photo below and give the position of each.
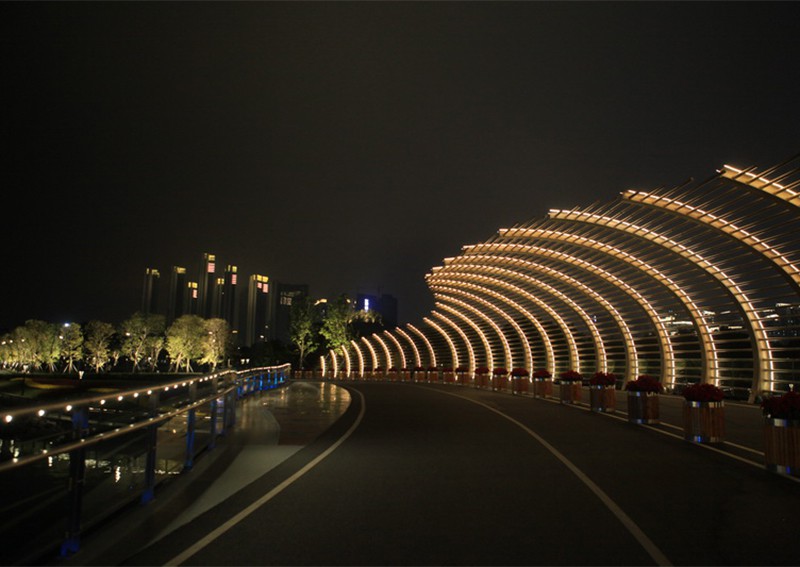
(417, 474)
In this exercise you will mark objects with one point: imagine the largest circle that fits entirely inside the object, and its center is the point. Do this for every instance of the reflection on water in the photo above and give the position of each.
(305, 409)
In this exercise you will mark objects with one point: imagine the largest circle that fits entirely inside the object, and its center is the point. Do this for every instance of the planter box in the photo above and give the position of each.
(393, 376)
(433, 376)
(643, 407)
(405, 376)
(603, 399)
(481, 380)
(704, 422)
(463, 378)
(499, 382)
(449, 377)
(571, 392)
(543, 387)
(782, 446)
(519, 384)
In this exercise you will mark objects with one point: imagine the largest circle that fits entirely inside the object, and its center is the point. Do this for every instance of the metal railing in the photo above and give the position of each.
(68, 465)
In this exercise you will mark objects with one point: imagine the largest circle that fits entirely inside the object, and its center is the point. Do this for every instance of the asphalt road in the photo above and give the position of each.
(416, 474)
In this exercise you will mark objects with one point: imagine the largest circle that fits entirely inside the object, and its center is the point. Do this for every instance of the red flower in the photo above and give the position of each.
(786, 406)
(644, 383)
(570, 376)
(393, 369)
(499, 371)
(419, 369)
(519, 372)
(433, 369)
(481, 370)
(462, 369)
(603, 379)
(703, 393)
(542, 373)
(447, 369)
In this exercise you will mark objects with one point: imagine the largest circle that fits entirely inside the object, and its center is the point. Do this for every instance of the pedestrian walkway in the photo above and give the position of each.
(271, 427)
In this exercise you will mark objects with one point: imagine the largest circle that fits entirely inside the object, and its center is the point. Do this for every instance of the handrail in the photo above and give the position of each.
(71, 405)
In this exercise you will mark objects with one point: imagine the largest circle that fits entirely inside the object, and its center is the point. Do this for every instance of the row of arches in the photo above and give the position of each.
(695, 283)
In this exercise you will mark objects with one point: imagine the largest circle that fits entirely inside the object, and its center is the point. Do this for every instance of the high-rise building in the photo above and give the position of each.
(286, 294)
(230, 305)
(385, 305)
(258, 310)
(177, 294)
(215, 305)
(192, 301)
(150, 291)
(206, 285)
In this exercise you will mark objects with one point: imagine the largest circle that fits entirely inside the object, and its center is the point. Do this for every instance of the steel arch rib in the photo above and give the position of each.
(360, 356)
(371, 350)
(573, 353)
(548, 347)
(723, 225)
(487, 347)
(428, 345)
(667, 353)
(399, 348)
(757, 181)
(631, 354)
(387, 354)
(528, 355)
(741, 299)
(449, 341)
(347, 365)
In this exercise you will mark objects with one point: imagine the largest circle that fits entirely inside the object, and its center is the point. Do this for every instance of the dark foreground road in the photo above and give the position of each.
(438, 475)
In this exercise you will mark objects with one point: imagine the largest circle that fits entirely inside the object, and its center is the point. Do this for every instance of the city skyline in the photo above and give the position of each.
(355, 145)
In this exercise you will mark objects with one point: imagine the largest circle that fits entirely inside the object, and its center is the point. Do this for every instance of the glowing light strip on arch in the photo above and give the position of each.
(449, 341)
(399, 349)
(632, 358)
(668, 360)
(523, 339)
(758, 182)
(387, 353)
(453, 270)
(487, 347)
(371, 352)
(425, 340)
(731, 229)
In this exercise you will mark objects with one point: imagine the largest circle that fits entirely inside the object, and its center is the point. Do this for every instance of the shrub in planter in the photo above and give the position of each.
(602, 392)
(782, 433)
(571, 387)
(643, 399)
(542, 383)
(703, 414)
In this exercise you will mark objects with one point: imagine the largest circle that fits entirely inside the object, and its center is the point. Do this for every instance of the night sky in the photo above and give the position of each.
(352, 146)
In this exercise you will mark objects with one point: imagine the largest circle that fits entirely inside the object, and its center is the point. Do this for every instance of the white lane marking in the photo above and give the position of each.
(220, 530)
(626, 521)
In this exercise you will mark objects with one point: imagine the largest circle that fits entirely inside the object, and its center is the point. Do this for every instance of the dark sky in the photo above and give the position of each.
(352, 146)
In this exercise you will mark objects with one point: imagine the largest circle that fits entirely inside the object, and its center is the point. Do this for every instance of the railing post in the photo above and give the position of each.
(214, 409)
(77, 475)
(152, 442)
(190, 428)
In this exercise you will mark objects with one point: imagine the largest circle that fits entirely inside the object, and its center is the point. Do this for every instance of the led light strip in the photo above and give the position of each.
(447, 338)
(425, 340)
(487, 347)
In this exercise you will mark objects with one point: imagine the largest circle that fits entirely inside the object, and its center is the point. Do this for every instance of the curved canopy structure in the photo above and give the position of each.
(696, 283)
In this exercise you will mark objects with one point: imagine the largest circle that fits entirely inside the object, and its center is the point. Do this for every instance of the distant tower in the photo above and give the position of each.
(192, 301)
(215, 309)
(206, 284)
(257, 310)
(283, 310)
(177, 294)
(150, 291)
(230, 311)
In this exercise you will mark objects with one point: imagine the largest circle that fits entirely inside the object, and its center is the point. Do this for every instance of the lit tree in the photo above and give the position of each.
(39, 345)
(97, 343)
(336, 322)
(153, 346)
(185, 340)
(304, 327)
(71, 345)
(216, 342)
(135, 333)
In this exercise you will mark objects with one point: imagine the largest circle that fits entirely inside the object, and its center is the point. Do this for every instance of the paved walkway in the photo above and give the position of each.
(417, 474)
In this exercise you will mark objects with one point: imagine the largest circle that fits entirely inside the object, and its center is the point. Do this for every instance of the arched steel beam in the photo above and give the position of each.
(387, 354)
(392, 338)
(563, 325)
(487, 347)
(738, 233)
(425, 340)
(764, 356)
(360, 356)
(449, 341)
(787, 193)
(373, 356)
(490, 262)
(667, 352)
(528, 355)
